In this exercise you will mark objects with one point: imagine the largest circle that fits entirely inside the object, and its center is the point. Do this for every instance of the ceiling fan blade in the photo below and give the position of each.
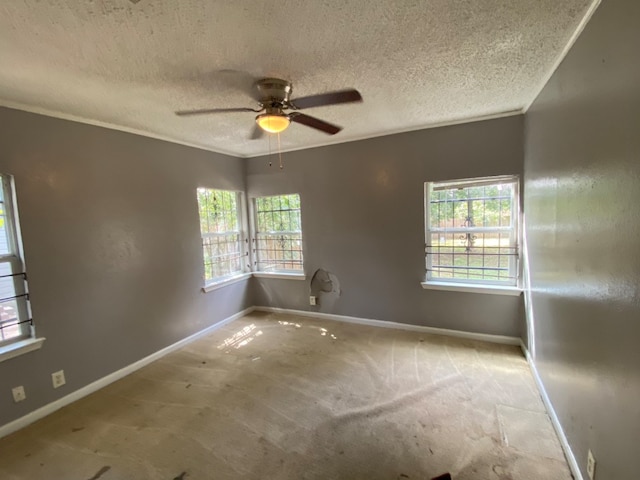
(330, 98)
(204, 111)
(314, 122)
(256, 133)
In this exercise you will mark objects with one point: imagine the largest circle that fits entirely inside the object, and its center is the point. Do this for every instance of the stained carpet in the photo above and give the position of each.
(275, 396)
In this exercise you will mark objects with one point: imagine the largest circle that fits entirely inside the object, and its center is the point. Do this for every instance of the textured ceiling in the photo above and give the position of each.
(418, 63)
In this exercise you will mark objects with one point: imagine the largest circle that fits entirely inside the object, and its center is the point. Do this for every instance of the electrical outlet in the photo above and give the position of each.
(58, 379)
(591, 466)
(312, 300)
(18, 394)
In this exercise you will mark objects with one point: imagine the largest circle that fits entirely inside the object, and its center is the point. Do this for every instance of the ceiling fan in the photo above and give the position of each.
(273, 95)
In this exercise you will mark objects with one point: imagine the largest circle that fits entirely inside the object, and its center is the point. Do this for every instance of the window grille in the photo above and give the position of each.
(472, 231)
(222, 236)
(15, 314)
(278, 238)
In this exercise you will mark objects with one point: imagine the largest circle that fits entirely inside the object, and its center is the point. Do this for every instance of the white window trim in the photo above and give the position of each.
(281, 275)
(472, 288)
(243, 276)
(20, 347)
(209, 287)
(477, 285)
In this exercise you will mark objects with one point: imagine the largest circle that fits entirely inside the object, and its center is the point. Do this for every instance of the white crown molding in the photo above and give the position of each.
(143, 133)
(111, 126)
(428, 126)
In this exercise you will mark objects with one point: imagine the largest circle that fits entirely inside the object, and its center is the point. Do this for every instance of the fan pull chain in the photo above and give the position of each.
(280, 152)
(269, 137)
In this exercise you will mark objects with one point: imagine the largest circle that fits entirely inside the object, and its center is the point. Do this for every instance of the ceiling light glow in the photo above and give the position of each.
(273, 123)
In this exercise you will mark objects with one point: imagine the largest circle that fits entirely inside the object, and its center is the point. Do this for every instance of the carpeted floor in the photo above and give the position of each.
(283, 397)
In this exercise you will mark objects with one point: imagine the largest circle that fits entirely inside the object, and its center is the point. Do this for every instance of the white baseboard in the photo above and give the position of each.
(571, 459)
(525, 351)
(112, 377)
(400, 326)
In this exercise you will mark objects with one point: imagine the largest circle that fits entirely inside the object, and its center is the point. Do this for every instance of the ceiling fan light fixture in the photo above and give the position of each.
(273, 123)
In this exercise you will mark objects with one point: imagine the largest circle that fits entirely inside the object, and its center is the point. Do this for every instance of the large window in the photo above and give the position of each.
(15, 318)
(222, 234)
(278, 234)
(472, 231)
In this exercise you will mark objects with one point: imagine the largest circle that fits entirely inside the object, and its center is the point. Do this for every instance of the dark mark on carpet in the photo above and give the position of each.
(446, 476)
(101, 472)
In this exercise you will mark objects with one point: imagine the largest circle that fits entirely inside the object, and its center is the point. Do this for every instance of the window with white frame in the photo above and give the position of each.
(278, 234)
(15, 316)
(472, 231)
(222, 234)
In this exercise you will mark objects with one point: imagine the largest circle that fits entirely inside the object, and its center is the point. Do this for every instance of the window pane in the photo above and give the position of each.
(221, 238)
(486, 206)
(279, 233)
(5, 245)
(479, 256)
(9, 321)
(222, 255)
(8, 305)
(278, 252)
(13, 308)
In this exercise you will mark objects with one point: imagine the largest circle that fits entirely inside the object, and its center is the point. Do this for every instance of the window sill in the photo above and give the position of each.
(227, 281)
(244, 276)
(282, 275)
(20, 348)
(472, 288)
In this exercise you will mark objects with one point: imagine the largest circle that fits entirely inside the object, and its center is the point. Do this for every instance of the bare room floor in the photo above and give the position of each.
(283, 397)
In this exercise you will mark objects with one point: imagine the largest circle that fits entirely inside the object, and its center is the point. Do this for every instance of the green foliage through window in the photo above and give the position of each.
(278, 245)
(221, 236)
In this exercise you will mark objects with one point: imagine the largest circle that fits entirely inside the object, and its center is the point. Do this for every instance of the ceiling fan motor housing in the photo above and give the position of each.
(274, 92)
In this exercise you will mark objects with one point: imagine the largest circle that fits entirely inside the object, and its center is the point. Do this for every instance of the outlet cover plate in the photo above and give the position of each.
(58, 378)
(18, 394)
(591, 466)
(313, 300)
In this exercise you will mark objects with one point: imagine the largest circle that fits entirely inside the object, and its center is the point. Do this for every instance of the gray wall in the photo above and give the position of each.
(363, 220)
(112, 244)
(582, 198)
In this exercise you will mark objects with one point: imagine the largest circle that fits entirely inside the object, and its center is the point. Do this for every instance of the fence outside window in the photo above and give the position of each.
(222, 234)
(278, 234)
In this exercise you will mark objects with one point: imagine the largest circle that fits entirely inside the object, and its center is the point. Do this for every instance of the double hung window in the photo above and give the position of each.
(278, 234)
(15, 316)
(222, 234)
(472, 231)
